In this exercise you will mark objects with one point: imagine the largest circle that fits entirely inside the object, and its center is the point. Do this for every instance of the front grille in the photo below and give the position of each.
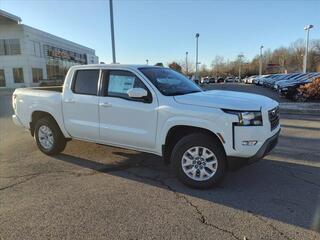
(274, 117)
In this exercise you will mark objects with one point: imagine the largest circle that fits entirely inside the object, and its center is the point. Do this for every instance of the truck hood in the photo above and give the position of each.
(227, 100)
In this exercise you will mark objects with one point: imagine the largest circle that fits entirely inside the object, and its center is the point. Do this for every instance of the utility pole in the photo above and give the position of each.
(187, 63)
(260, 61)
(240, 56)
(197, 74)
(305, 59)
(112, 32)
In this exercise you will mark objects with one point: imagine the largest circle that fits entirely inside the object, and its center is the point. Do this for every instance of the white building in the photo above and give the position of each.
(29, 55)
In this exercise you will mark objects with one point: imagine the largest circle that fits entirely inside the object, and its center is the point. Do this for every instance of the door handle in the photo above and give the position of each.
(69, 101)
(105, 104)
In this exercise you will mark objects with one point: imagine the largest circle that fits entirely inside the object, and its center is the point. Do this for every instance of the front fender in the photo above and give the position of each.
(185, 121)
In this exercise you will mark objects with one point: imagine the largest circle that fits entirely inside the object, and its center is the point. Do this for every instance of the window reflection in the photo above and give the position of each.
(59, 61)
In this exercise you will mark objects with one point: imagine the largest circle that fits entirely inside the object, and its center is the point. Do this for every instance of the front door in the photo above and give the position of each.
(125, 121)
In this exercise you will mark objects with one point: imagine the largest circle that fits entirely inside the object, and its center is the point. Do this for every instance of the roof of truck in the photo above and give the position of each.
(129, 66)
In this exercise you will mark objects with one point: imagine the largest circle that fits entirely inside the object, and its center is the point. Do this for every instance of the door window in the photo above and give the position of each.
(119, 82)
(86, 82)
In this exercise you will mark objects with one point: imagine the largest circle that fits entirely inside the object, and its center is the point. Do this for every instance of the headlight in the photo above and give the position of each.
(252, 118)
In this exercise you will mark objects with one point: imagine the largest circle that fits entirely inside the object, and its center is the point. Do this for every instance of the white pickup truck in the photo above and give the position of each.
(154, 110)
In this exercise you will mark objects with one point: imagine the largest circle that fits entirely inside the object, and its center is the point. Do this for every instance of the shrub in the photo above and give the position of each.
(311, 90)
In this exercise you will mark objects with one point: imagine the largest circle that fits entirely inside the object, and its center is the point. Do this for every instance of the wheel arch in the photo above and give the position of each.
(38, 114)
(175, 133)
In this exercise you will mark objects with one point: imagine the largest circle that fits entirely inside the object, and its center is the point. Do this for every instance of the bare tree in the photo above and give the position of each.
(175, 66)
(191, 67)
(289, 59)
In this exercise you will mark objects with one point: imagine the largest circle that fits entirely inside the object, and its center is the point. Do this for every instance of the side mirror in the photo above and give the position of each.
(137, 93)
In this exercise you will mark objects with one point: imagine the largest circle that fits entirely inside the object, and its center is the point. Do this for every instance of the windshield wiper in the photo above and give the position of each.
(194, 91)
(182, 93)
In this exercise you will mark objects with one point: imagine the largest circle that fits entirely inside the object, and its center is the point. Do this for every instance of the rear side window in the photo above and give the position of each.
(86, 82)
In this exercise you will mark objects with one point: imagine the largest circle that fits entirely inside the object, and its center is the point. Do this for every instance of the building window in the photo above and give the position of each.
(2, 48)
(60, 60)
(10, 47)
(2, 78)
(36, 49)
(37, 75)
(18, 75)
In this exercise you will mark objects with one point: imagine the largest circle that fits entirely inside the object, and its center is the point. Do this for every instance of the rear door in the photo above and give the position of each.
(81, 105)
(125, 121)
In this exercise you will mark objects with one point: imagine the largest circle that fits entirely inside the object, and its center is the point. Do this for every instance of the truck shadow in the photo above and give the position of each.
(282, 191)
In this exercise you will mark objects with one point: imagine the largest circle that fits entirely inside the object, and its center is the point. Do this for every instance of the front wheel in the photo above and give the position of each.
(199, 161)
(48, 136)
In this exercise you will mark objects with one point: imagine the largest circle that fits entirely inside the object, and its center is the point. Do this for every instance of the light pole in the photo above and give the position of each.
(187, 63)
(240, 56)
(196, 75)
(305, 59)
(260, 61)
(147, 61)
(112, 32)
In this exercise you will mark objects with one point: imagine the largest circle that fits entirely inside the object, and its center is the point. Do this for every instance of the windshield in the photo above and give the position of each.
(170, 82)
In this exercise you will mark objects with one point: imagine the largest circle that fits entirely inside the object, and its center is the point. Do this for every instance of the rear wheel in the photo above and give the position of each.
(48, 136)
(199, 161)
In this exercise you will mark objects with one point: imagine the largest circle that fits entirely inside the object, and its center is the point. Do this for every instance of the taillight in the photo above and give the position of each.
(14, 99)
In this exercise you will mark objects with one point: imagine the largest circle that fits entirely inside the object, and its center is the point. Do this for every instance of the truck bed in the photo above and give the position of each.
(47, 99)
(54, 88)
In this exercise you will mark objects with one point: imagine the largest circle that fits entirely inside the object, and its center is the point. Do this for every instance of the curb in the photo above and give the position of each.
(300, 108)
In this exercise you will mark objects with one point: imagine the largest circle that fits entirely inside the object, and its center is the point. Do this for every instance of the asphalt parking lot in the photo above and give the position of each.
(98, 192)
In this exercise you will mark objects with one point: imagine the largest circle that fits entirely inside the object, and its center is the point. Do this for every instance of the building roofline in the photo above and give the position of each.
(57, 37)
(10, 16)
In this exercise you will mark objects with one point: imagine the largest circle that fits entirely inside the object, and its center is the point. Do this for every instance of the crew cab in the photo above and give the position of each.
(155, 110)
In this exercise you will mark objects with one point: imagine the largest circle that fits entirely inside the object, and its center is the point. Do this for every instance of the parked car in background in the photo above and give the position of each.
(289, 80)
(229, 79)
(195, 80)
(212, 80)
(268, 82)
(250, 80)
(220, 80)
(204, 80)
(286, 84)
(261, 79)
(290, 89)
(254, 79)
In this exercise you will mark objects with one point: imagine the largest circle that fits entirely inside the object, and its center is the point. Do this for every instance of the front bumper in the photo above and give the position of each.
(267, 146)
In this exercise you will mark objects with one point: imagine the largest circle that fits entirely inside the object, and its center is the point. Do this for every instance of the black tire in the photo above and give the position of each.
(59, 142)
(203, 140)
